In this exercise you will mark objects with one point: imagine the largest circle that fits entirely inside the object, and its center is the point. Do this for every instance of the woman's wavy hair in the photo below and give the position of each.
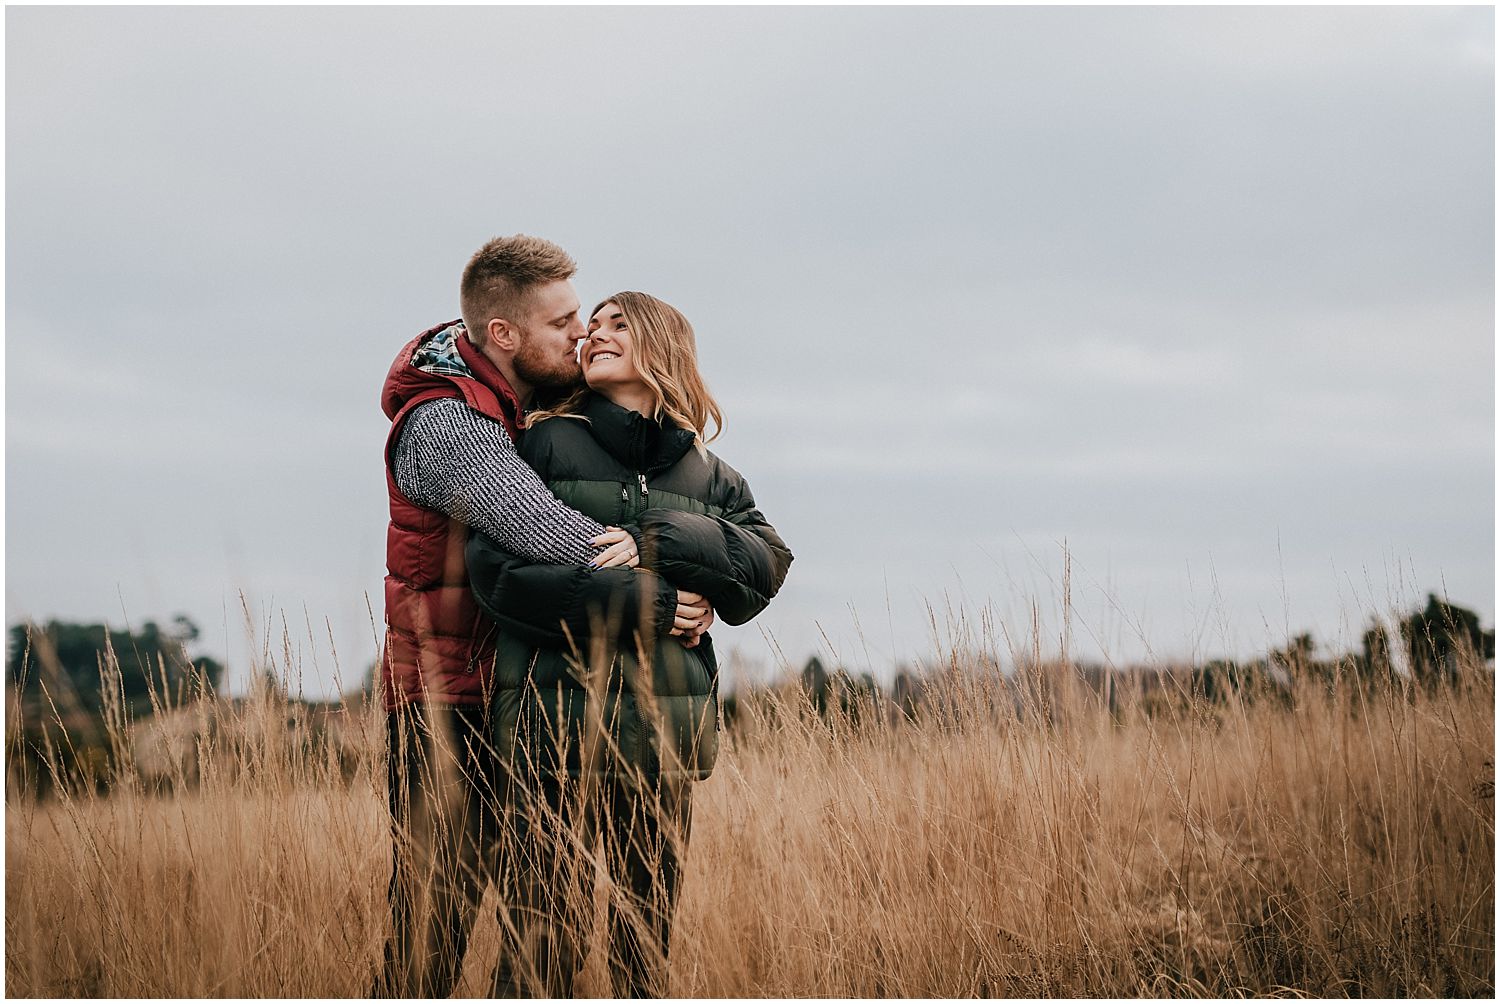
(666, 356)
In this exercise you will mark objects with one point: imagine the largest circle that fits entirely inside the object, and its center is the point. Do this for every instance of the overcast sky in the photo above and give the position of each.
(1207, 294)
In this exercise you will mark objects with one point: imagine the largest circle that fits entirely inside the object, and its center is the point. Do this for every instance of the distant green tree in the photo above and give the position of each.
(73, 687)
(815, 682)
(1297, 656)
(1439, 636)
(858, 695)
(1217, 679)
(66, 661)
(1375, 651)
(906, 691)
(838, 690)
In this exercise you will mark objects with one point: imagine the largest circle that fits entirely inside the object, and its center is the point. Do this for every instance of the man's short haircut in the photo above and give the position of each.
(501, 274)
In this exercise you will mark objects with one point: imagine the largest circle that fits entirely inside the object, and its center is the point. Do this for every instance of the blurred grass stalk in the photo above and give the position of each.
(1023, 831)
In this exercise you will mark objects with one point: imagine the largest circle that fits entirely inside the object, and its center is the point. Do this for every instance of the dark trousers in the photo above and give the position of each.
(560, 826)
(446, 804)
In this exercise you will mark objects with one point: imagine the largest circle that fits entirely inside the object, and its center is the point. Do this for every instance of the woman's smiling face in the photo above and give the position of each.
(607, 357)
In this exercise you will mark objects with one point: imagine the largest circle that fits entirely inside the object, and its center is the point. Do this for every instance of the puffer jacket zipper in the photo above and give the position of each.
(648, 729)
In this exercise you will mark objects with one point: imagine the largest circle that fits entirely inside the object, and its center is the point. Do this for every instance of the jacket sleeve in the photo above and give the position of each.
(738, 561)
(555, 606)
(465, 465)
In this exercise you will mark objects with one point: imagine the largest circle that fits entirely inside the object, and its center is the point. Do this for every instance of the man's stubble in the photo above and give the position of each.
(545, 368)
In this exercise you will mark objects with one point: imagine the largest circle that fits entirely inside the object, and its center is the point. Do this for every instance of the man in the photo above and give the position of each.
(455, 396)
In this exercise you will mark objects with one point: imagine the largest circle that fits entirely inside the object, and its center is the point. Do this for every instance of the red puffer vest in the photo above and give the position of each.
(439, 648)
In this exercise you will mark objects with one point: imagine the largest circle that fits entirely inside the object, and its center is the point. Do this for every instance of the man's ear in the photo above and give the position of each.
(501, 334)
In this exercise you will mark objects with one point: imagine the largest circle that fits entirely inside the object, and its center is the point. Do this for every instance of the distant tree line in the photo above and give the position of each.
(1429, 648)
(76, 690)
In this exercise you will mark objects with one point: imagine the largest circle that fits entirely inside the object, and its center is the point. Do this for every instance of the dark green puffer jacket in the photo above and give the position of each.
(566, 630)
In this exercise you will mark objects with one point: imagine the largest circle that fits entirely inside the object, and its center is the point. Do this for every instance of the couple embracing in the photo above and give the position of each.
(560, 543)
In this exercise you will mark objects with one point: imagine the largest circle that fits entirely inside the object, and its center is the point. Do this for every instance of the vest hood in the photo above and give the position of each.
(485, 389)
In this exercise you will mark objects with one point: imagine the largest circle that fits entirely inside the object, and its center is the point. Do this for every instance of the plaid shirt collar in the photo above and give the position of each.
(439, 354)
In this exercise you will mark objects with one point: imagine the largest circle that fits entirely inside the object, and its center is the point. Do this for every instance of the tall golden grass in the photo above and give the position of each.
(1020, 836)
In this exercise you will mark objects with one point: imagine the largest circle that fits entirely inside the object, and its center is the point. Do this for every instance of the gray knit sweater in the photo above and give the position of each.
(465, 465)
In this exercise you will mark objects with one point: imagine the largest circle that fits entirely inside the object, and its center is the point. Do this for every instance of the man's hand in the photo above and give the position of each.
(694, 615)
(619, 549)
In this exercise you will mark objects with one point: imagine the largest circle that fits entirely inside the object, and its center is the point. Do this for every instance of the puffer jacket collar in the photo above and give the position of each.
(638, 442)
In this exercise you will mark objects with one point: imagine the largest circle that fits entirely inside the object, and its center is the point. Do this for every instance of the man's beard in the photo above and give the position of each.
(542, 369)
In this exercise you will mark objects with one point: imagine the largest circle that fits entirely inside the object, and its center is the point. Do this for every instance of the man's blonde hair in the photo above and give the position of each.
(501, 274)
(665, 351)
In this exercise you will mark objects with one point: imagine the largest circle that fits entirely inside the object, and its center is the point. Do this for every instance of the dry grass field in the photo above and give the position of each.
(1017, 838)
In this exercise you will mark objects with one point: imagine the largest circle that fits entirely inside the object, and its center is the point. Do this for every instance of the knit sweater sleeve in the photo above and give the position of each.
(456, 462)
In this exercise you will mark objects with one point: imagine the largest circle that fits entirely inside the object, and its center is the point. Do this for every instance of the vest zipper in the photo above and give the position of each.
(645, 494)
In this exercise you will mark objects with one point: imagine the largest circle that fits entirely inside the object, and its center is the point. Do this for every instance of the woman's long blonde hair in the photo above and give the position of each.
(666, 356)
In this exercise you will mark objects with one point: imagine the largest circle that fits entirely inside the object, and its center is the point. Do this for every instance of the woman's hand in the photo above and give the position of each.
(694, 615)
(619, 549)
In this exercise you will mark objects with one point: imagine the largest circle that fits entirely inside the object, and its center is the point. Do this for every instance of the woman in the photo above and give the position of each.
(606, 704)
